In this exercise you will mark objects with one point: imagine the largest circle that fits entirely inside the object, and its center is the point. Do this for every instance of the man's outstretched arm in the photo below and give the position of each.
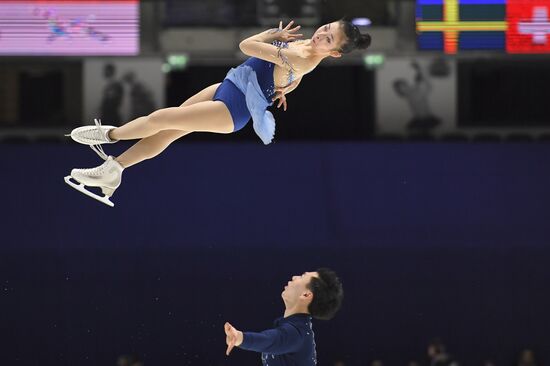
(280, 340)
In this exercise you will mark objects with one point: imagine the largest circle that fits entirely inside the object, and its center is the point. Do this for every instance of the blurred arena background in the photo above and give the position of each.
(418, 170)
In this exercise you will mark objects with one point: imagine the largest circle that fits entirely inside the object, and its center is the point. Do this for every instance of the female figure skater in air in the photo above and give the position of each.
(278, 61)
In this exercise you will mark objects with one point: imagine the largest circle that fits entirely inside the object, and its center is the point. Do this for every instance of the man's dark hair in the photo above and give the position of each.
(327, 294)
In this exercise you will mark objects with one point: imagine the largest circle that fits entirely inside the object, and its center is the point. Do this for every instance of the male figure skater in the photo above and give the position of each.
(313, 294)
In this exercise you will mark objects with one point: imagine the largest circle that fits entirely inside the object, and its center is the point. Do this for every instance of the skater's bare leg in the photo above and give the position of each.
(169, 126)
(151, 146)
(211, 116)
(204, 95)
(206, 116)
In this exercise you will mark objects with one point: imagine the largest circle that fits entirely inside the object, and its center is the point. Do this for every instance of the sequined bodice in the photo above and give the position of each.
(291, 75)
(265, 69)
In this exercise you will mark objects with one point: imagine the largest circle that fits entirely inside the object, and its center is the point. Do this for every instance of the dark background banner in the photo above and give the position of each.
(430, 240)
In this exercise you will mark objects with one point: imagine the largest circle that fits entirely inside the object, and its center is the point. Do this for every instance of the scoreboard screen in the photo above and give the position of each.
(69, 27)
(513, 26)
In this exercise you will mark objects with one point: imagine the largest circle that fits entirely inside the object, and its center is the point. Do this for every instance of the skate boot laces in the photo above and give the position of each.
(95, 134)
(97, 171)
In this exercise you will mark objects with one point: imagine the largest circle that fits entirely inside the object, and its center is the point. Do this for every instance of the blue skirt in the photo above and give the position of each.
(247, 91)
(235, 101)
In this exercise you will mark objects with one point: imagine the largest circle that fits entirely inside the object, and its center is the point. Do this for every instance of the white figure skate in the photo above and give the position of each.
(94, 136)
(107, 176)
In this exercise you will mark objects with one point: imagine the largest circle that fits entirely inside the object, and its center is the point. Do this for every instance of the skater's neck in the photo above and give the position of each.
(298, 309)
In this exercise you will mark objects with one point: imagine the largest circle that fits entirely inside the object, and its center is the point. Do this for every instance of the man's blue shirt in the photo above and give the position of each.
(290, 343)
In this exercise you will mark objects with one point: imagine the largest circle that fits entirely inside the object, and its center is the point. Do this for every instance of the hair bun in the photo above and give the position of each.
(353, 37)
(363, 41)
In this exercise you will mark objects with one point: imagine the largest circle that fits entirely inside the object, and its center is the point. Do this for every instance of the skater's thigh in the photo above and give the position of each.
(204, 95)
(210, 116)
(164, 138)
(169, 136)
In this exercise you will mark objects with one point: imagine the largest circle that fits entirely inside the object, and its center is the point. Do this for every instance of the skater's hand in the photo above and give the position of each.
(286, 34)
(281, 91)
(290, 87)
(282, 99)
(233, 337)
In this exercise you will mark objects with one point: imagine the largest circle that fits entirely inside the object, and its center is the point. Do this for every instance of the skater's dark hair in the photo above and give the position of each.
(327, 294)
(354, 38)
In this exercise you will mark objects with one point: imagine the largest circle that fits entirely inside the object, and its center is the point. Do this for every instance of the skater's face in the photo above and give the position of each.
(327, 39)
(297, 290)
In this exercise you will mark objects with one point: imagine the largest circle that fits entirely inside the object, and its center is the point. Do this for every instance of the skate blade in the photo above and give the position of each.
(81, 188)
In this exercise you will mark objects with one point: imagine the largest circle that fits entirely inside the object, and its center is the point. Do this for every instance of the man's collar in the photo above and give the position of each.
(294, 317)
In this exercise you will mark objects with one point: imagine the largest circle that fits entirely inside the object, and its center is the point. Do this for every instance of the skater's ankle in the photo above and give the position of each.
(119, 163)
(110, 134)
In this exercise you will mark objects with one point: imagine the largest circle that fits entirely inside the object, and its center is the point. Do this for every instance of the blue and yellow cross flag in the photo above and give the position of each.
(452, 25)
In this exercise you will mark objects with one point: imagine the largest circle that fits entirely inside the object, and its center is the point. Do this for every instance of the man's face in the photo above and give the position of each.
(296, 289)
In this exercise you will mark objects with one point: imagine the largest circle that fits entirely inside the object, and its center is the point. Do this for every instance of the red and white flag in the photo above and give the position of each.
(528, 26)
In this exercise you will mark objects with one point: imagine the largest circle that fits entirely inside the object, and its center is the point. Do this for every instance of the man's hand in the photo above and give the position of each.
(233, 337)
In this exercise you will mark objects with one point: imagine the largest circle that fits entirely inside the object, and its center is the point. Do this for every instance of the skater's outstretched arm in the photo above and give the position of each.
(283, 339)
